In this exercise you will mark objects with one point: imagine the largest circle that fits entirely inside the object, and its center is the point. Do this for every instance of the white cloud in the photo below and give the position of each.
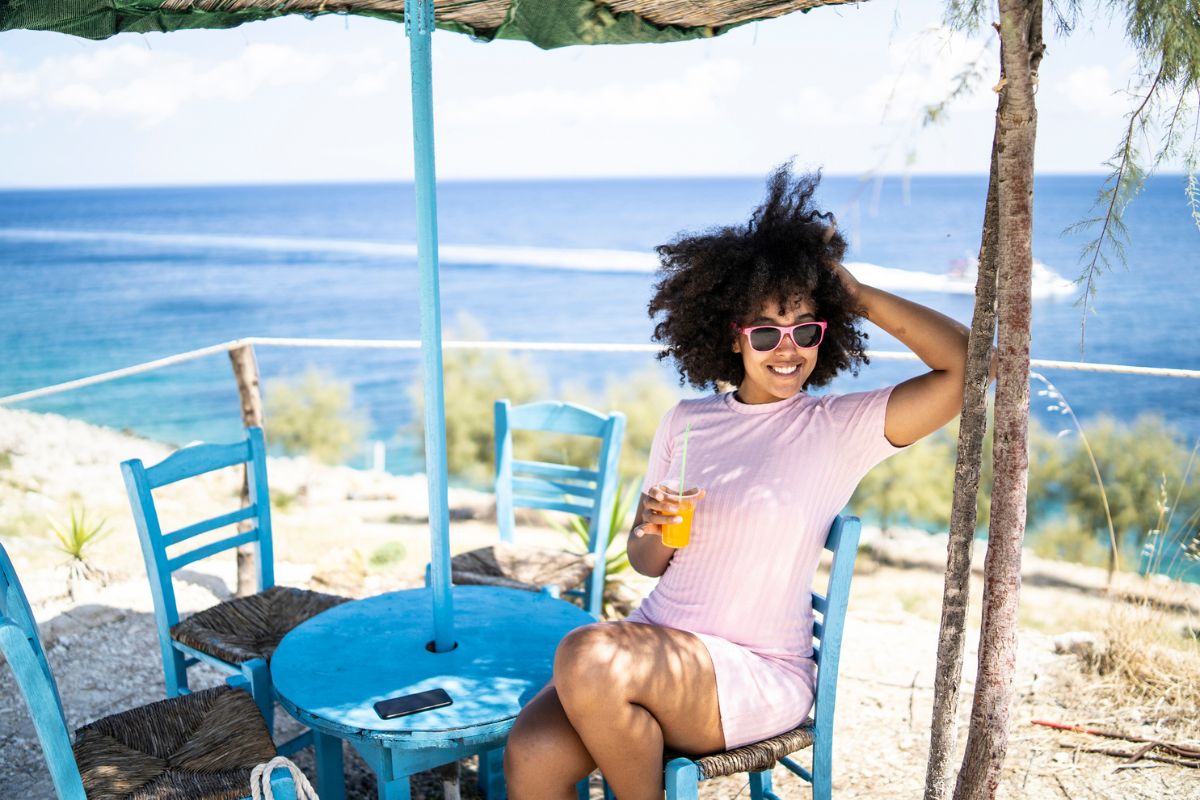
(925, 70)
(129, 81)
(1093, 90)
(812, 105)
(694, 94)
(377, 74)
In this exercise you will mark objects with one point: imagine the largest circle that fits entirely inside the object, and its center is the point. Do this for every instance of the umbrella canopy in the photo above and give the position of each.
(545, 23)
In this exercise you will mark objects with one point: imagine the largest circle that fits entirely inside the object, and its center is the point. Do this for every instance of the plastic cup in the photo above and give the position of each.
(680, 534)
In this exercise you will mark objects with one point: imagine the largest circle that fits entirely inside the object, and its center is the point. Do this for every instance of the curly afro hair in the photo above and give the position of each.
(725, 275)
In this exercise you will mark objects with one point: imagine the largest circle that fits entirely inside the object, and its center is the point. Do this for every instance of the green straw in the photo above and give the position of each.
(683, 460)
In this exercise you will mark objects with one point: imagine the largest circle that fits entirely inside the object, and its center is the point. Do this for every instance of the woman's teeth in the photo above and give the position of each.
(783, 370)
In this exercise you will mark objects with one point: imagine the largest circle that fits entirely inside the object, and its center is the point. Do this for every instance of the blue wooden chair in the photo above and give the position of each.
(237, 636)
(586, 492)
(200, 746)
(683, 775)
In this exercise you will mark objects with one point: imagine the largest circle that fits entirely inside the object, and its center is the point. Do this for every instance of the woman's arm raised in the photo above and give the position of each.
(920, 405)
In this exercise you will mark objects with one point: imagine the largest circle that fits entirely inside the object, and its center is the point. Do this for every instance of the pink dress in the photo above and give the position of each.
(775, 475)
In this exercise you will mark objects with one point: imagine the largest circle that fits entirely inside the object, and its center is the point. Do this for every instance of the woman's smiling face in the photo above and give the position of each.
(780, 373)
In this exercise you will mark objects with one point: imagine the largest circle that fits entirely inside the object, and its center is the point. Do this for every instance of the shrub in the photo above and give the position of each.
(387, 554)
(1135, 462)
(280, 500)
(313, 415)
(643, 399)
(473, 380)
(1067, 539)
(914, 487)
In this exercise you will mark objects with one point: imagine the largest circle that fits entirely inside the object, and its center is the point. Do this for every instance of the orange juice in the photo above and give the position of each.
(679, 534)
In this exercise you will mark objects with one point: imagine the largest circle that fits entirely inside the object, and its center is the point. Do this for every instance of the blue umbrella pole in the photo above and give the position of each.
(418, 24)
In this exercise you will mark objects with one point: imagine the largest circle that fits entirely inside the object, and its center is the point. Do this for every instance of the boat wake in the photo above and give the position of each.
(957, 281)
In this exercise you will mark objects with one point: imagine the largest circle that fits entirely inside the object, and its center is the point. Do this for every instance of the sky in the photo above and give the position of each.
(298, 100)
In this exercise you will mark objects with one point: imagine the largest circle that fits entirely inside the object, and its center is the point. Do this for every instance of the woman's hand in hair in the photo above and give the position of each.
(853, 287)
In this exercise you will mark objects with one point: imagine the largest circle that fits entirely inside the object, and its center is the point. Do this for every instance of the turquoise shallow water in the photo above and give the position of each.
(100, 279)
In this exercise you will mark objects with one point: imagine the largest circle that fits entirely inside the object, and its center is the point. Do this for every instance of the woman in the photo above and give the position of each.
(720, 653)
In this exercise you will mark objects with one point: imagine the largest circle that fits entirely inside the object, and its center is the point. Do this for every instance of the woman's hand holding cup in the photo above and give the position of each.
(664, 510)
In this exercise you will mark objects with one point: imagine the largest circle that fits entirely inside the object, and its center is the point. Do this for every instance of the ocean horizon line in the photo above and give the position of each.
(505, 180)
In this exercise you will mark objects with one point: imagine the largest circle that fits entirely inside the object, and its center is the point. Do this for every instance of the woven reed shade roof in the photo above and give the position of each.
(546, 23)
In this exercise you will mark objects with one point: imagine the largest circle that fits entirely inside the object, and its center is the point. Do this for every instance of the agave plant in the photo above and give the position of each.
(75, 538)
(615, 561)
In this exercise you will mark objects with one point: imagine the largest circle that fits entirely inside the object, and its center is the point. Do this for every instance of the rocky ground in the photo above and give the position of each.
(361, 533)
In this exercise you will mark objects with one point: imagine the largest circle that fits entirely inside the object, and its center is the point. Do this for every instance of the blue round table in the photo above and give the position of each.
(330, 671)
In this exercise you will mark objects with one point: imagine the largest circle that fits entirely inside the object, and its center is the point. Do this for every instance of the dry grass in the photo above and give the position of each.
(1148, 672)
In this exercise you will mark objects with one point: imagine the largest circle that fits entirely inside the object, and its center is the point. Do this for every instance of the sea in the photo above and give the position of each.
(93, 280)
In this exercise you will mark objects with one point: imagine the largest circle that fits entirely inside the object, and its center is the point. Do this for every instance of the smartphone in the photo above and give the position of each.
(407, 704)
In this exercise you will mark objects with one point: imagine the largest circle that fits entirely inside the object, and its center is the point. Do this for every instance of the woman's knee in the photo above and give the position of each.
(588, 663)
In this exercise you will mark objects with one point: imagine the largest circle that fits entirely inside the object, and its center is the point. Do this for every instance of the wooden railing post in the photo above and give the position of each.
(245, 372)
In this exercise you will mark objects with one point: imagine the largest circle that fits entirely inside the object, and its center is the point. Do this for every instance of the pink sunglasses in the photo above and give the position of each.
(765, 338)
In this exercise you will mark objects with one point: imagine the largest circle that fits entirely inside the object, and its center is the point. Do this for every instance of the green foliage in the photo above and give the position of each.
(23, 524)
(1069, 540)
(913, 487)
(1132, 461)
(314, 415)
(473, 380)
(5, 460)
(280, 500)
(1163, 120)
(75, 536)
(1165, 35)
(644, 398)
(387, 554)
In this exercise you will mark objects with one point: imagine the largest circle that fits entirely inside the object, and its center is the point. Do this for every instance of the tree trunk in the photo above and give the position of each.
(245, 372)
(987, 740)
(963, 514)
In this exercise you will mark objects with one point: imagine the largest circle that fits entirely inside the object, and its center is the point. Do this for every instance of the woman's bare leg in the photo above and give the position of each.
(544, 757)
(628, 689)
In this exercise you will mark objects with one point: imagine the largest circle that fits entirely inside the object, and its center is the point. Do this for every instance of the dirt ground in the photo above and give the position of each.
(104, 657)
(102, 648)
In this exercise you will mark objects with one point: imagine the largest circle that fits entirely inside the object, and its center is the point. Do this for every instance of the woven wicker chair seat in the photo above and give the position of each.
(198, 746)
(758, 756)
(520, 566)
(245, 628)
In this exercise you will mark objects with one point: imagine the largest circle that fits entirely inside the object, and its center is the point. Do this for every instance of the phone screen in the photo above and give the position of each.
(412, 703)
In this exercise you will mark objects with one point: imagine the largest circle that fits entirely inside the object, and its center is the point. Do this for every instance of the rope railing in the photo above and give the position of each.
(579, 347)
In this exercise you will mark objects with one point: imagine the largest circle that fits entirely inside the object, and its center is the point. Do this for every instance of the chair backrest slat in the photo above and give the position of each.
(556, 504)
(211, 524)
(542, 469)
(560, 487)
(843, 541)
(211, 549)
(558, 417)
(198, 459)
(819, 604)
(22, 648)
(536, 487)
